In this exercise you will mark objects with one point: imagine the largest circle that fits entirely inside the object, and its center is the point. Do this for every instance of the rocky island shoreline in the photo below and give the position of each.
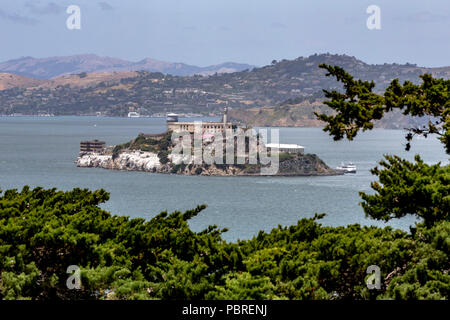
(153, 154)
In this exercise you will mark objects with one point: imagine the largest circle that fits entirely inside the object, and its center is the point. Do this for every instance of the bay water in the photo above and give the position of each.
(40, 151)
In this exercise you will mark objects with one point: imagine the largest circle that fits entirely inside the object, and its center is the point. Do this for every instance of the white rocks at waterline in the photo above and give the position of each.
(133, 160)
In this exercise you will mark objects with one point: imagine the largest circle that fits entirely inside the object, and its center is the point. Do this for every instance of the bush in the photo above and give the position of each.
(163, 156)
(42, 232)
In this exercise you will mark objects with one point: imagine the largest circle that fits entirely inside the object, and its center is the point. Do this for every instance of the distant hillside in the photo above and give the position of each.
(86, 80)
(283, 93)
(8, 81)
(47, 68)
(301, 114)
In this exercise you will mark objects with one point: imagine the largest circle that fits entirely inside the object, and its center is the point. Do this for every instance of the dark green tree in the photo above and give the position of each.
(403, 187)
(358, 106)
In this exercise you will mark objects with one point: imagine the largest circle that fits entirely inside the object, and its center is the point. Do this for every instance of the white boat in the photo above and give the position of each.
(133, 115)
(347, 167)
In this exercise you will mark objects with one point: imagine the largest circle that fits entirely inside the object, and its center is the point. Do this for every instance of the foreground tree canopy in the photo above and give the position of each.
(44, 232)
(404, 187)
(358, 107)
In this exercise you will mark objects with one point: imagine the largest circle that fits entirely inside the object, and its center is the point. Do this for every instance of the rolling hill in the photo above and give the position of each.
(8, 81)
(285, 93)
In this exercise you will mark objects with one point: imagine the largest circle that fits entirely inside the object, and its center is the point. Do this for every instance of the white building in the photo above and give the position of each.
(288, 148)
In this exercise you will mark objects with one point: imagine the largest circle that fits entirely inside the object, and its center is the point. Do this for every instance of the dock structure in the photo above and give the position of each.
(94, 146)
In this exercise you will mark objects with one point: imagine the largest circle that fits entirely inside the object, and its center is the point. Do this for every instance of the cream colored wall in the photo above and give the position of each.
(209, 127)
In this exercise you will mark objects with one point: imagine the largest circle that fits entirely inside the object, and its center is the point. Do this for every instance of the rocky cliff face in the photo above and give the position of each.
(305, 165)
(133, 161)
(295, 165)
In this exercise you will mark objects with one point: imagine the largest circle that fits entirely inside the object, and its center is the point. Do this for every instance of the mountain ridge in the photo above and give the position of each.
(56, 66)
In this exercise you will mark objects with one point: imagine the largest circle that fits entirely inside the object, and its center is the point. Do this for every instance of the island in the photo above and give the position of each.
(157, 153)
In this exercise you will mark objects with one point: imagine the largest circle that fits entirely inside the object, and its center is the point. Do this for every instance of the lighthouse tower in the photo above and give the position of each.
(225, 117)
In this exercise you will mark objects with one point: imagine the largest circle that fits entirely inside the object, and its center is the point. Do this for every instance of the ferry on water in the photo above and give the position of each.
(133, 115)
(347, 167)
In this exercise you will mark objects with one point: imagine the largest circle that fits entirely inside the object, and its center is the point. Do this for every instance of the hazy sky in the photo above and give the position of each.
(204, 32)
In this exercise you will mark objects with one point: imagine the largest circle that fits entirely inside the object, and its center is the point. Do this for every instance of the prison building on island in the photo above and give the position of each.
(207, 127)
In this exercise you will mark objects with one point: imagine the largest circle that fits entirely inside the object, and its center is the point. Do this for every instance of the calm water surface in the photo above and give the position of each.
(39, 151)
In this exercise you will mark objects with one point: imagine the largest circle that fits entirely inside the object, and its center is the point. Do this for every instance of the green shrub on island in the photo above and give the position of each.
(163, 156)
(119, 148)
(142, 142)
(283, 156)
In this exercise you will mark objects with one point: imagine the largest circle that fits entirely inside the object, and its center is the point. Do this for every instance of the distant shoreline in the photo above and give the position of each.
(151, 117)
